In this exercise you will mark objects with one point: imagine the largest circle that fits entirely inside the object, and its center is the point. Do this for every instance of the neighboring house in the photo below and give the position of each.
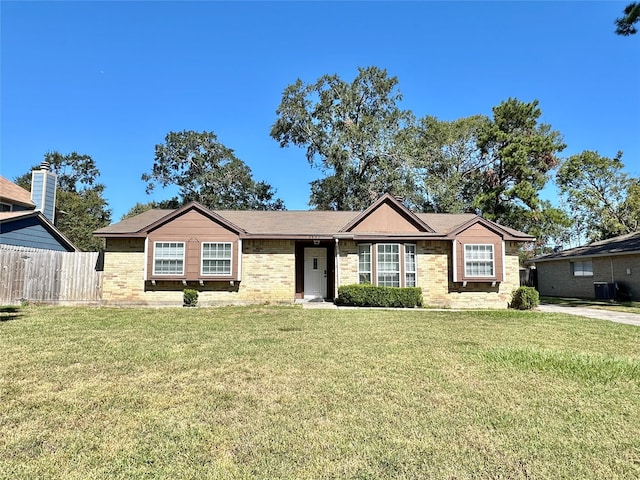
(27, 219)
(243, 257)
(606, 269)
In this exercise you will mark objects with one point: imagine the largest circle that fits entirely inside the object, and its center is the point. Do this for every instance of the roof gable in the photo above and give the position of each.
(10, 220)
(503, 232)
(387, 215)
(193, 206)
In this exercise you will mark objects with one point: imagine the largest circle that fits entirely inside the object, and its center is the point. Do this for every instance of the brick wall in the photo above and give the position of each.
(268, 271)
(123, 271)
(268, 276)
(434, 265)
(556, 280)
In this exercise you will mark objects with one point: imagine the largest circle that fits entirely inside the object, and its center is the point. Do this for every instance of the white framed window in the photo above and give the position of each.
(582, 268)
(364, 263)
(6, 207)
(409, 265)
(388, 264)
(216, 258)
(479, 260)
(168, 258)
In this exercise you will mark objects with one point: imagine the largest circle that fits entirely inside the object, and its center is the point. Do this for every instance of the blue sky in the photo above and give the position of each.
(111, 79)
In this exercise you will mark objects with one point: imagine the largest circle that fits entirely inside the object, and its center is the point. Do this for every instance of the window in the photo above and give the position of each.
(216, 258)
(582, 269)
(409, 265)
(168, 258)
(5, 207)
(388, 264)
(364, 263)
(394, 264)
(478, 261)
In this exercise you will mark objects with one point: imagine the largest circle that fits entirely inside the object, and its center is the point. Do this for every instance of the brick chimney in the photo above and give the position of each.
(43, 190)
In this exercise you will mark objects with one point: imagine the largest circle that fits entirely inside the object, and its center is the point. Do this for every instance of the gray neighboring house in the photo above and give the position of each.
(27, 218)
(607, 269)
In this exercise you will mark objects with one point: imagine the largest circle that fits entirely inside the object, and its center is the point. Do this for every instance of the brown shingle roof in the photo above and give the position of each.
(12, 193)
(292, 224)
(445, 222)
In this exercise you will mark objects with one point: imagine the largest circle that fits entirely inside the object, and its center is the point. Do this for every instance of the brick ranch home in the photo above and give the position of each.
(244, 257)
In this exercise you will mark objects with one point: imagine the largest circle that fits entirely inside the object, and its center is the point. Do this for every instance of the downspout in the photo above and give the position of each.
(612, 277)
(239, 259)
(146, 257)
(337, 268)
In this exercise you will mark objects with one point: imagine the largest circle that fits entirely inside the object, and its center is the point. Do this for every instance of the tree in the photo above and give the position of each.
(206, 171)
(80, 206)
(518, 153)
(350, 132)
(139, 208)
(602, 200)
(626, 25)
(448, 162)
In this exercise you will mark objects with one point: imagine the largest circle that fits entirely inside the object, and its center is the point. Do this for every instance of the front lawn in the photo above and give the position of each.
(282, 392)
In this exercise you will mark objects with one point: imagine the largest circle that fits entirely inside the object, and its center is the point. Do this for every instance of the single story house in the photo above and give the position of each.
(607, 269)
(243, 257)
(27, 218)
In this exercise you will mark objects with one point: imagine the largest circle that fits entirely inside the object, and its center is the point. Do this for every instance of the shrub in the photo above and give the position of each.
(525, 298)
(190, 297)
(372, 296)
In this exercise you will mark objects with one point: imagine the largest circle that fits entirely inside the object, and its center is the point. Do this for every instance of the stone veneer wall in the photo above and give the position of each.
(268, 276)
(434, 265)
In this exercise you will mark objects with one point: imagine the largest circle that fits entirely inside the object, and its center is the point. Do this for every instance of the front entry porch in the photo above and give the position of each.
(315, 270)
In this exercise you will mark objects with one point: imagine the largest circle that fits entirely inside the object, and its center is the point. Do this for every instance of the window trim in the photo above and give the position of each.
(389, 272)
(370, 271)
(202, 259)
(402, 262)
(415, 264)
(466, 260)
(583, 273)
(182, 258)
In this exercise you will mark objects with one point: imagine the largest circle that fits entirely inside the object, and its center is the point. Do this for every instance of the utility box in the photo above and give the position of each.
(605, 290)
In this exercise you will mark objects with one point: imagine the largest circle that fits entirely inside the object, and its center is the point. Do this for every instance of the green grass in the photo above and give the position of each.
(268, 392)
(627, 307)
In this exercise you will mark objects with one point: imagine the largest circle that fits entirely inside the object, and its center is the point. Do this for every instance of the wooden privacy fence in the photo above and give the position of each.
(47, 276)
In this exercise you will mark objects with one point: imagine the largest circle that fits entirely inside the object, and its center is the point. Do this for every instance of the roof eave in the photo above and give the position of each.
(583, 255)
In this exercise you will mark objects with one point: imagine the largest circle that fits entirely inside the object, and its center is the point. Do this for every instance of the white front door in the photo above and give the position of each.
(315, 273)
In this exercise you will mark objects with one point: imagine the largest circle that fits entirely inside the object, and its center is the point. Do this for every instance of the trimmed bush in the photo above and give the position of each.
(372, 296)
(190, 297)
(525, 298)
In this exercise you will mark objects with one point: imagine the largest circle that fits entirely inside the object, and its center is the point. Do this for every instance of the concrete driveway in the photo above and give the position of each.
(619, 317)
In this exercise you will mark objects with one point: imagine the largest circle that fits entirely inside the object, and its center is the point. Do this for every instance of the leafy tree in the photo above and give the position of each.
(206, 171)
(518, 153)
(80, 206)
(350, 132)
(602, 200)
(448, 162)
(626, 25)
(139, 208)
